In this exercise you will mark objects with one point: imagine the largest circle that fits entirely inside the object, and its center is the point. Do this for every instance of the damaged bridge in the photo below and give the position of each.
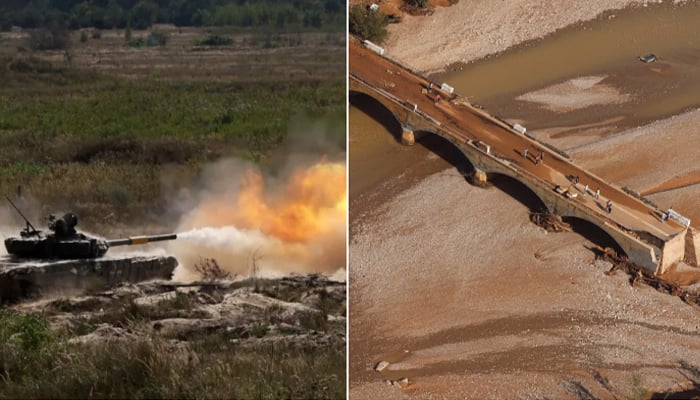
(495, 146)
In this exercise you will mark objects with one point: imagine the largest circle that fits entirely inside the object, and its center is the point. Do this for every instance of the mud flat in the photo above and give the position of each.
(460, 33)
(506, 310)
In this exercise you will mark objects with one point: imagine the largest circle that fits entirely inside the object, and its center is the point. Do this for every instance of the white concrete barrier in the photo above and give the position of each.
(447, 88)
(520, 128)
(681, 219)
(374, 47)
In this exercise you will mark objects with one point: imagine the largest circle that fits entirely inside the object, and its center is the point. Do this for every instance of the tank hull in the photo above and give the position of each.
(21, 279)
(49, 247)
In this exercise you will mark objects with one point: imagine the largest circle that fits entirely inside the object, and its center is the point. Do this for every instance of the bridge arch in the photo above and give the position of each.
(594, 233)
(376, 110)
(445, 149)
(518, 190)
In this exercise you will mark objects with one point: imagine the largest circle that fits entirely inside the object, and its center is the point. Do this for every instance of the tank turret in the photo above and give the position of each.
(64, 242)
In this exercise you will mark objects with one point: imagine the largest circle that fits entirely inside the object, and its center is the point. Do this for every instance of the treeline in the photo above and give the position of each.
(140, 14)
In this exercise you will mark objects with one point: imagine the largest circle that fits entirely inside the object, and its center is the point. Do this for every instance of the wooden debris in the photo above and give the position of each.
(641, 275)
(549, 221)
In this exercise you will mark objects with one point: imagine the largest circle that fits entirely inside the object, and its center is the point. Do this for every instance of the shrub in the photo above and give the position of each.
(136, 42)
(157, 38)
(210, 270)
(215, 40)
(259, 329)
(368, 25)
(54, 37)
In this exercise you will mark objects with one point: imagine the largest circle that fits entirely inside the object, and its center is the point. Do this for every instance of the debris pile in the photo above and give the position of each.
(639, 274)
(549, 221)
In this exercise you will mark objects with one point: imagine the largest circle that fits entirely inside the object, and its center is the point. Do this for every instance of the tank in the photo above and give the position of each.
(62, 241)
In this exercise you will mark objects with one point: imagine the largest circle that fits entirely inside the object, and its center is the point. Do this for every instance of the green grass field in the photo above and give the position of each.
(98, 144)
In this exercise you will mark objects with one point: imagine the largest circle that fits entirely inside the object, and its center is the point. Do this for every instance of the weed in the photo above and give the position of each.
(638, 391)
(210, 270)
(36, 363)
(181, 301)
(259, 329)
(214, 40)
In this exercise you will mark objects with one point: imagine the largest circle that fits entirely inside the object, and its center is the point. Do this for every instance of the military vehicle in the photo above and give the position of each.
(64, 242)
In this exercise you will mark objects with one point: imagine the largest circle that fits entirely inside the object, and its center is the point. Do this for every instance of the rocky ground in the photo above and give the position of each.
(244, 338)
(308, 311)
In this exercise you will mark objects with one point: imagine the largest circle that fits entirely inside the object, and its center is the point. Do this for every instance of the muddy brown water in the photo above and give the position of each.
(380, 166)
(608, 46)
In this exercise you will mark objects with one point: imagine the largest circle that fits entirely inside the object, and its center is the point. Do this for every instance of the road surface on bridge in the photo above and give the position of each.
(464, 122)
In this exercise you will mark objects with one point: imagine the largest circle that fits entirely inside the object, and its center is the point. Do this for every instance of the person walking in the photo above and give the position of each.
(430, 87)
(541, 156)
(597, 193)
(609, 206)
(585, 190)
(437, 98)
(576, 180)
(525, 153)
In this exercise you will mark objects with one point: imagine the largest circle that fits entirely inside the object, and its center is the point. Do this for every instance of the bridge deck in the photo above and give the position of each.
(464, 122)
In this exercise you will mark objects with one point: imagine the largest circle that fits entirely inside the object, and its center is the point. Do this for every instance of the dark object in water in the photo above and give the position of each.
(649, 58)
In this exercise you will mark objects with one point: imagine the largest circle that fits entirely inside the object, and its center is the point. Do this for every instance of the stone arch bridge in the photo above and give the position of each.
(493, 145)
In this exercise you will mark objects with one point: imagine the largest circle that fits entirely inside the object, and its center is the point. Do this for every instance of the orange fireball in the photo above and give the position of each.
(312, 202)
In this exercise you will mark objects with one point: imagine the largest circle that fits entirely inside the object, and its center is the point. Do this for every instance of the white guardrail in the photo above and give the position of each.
(681, 219)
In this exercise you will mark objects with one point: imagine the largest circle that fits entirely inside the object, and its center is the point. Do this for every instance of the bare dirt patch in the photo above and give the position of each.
(461, 33)
(576, 94)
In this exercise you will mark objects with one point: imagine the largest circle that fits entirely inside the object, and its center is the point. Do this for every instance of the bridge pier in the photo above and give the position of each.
(480, 177)
(408, 138)
(692, 245)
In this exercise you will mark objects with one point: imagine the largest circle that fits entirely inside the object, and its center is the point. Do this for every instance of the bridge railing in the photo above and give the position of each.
(408, 106)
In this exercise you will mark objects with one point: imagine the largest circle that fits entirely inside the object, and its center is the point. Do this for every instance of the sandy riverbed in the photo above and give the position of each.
(462, 294)
(503, 311)
(461, 33)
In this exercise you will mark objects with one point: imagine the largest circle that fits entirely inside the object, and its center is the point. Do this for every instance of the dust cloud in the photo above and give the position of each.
(290, 220)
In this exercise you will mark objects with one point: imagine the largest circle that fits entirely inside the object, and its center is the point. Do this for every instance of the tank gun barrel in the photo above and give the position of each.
(140, 240)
